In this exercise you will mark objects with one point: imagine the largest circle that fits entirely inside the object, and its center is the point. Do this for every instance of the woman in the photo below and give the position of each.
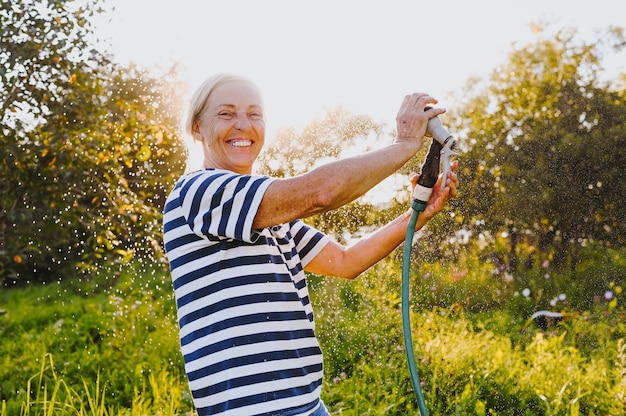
(238, 252)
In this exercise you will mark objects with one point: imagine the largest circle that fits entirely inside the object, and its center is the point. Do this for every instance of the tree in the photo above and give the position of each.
(76, 133)
(543, 148)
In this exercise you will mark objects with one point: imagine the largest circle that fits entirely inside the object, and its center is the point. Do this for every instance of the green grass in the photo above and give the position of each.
(92, 348)
(107, 344)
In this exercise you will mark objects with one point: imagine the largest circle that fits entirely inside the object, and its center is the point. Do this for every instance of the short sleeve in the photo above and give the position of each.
(221, 204)
(308, 240)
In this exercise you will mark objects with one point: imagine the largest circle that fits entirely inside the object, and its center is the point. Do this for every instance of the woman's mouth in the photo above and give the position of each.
(240, 143)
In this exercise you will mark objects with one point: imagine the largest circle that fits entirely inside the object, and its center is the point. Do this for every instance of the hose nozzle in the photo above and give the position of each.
(439, 133)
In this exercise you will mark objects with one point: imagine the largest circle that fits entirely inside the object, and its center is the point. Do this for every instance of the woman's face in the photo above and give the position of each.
(232, 127)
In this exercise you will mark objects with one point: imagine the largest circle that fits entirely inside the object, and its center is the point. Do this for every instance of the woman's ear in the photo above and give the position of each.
(195, 131)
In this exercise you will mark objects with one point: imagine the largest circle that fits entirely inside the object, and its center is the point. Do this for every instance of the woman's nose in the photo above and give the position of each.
(242, 122)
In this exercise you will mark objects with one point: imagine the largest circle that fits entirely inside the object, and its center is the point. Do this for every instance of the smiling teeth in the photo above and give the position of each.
(241, 143)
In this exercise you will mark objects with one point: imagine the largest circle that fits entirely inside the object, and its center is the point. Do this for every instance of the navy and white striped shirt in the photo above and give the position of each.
(246, 322)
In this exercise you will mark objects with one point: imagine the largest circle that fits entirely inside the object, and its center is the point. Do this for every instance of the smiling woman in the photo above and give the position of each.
(238, 251)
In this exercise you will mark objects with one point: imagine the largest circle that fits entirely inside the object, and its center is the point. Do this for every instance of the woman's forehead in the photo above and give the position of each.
(236, 93)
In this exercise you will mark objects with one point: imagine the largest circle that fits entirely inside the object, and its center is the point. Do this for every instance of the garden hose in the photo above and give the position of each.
(406, 319)
(442, 146)
(421, 193)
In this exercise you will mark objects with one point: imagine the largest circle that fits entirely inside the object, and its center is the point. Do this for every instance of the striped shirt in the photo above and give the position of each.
(246, 322)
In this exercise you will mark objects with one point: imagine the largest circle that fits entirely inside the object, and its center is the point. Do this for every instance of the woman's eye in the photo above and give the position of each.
(224, 114)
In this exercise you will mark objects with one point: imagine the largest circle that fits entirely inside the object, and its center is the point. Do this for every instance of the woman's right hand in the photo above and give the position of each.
(412, 120)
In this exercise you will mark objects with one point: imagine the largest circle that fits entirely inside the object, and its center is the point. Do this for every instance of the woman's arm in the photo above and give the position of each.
(338, 183)
(349, 262)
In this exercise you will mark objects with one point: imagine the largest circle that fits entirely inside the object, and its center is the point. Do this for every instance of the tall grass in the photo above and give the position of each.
(50, 394)
(99, 348)
(108, 345)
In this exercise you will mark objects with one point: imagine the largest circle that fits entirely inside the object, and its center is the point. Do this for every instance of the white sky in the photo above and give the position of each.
(311, 56)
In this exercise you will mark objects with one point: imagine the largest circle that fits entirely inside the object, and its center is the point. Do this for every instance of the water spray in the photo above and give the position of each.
(442, 148)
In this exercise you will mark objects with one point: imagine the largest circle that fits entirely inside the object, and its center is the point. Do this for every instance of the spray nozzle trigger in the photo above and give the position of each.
(446, 154)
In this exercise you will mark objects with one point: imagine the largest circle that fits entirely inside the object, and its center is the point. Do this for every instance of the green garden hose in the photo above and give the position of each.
(442, 147)
(406, 318)
(421, 193)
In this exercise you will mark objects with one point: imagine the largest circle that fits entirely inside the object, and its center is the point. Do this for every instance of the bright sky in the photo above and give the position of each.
(311, 56)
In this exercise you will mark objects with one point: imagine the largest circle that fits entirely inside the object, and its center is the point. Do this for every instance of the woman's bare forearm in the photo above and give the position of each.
(332, 185)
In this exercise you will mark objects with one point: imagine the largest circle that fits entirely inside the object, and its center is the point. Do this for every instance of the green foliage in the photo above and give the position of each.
(543, 145)
(482, 363)
(87, 151)
(44, 59)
